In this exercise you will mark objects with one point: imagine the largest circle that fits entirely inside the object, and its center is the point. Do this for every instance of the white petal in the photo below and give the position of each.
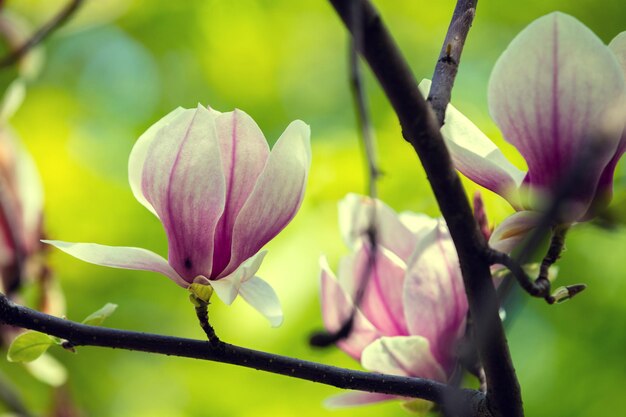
(30, 192)
(261, 296)
(354, 398)
(356, 213)
(404, 356)
(476, 156)
(618, 47)
(119, 257)
(513, 230)
(228, 287)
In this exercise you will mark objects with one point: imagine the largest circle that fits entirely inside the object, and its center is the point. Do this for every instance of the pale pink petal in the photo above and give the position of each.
(244, 152)
(336, 309)
(119, 257)
(404, 356)
(261, 296)
(229, 286)
(513, 230)
(139, 152)
(184, 182)
(29, 193)
(605, 185)
(476, 156)
(434, 296)
(382, 301)
(549, 92)
(356, 214)
(355, 398)
(419, 224)
(277, 194)
(618, 47)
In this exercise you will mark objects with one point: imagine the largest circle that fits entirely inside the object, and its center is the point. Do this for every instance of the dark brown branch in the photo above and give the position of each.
(82, 335)
(537, 288)
(541, 286)
(450, 57)
(41, 34)
(421, 130)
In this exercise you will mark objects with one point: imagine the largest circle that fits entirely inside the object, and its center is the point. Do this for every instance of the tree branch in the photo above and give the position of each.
(82, 335)
(43, 32)
(450, 57)
(421, 130)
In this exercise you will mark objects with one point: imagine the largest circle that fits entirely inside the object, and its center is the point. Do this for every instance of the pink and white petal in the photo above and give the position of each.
(356, 214)
(605, 185)
(513, 230)
(119, 257)
(384, 286)
(618, 47)
(434, 295)
(139, 152)
(262, 297)
(276, 196)
(356, 398)
(184, 182)
(548, 93)
(229, 286)
(476, 156)
(244, 152)
(419, 224)
(336, 309)
(30, 195)
(404, 356)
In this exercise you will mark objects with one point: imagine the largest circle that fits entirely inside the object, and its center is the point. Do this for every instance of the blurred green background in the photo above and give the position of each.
(120, 65)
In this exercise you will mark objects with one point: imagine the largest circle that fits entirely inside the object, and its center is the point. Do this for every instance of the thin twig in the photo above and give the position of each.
(361, 107)
(82, 335)
(324, 339)
(41, 34)
(450, 57)
(421, 130)
(537, 288)
(202, 312)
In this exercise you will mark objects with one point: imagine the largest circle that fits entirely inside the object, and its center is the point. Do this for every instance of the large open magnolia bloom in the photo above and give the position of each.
(414, 306)
(556, 93)
(221, 196)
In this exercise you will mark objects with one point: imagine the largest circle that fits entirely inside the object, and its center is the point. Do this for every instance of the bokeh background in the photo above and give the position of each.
(121, 65)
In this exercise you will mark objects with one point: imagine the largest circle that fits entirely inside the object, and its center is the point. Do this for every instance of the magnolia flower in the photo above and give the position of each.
(556, 93)
(221, 196)
(21, 205)
(414, 307)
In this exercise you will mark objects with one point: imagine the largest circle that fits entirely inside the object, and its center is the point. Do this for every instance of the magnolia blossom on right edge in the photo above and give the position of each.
(413, 311)
(556, 92)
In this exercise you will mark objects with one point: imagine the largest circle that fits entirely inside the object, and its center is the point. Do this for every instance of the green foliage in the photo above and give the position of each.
(97, 317)
(29, 346)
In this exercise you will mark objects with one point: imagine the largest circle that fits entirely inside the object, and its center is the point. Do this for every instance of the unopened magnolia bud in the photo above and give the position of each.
(201, 290)
(563, 294)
